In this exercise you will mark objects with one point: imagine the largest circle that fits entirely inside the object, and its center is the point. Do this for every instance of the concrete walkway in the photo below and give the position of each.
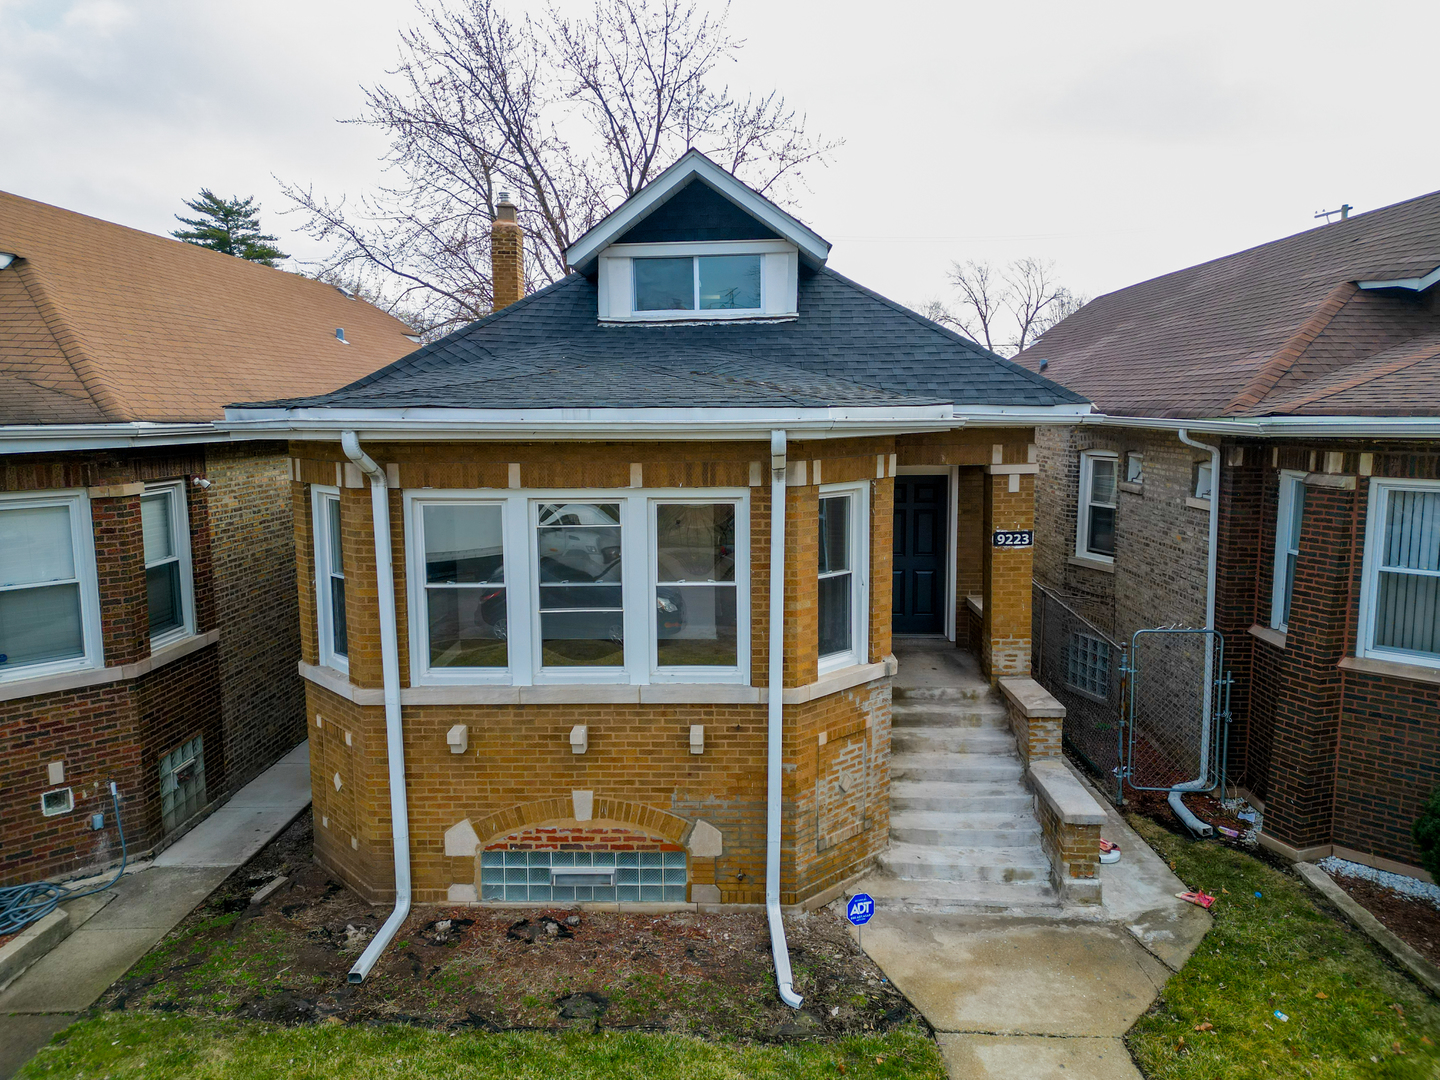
(1023, 998)
(147, 903)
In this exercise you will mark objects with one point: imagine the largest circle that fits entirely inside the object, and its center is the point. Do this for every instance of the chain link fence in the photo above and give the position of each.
(1081, 666)
(1174, 736)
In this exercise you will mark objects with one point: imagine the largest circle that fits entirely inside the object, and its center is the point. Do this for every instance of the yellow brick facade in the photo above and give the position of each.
(519, 772)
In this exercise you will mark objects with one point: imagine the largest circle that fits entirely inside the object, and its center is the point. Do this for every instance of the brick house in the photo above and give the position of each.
(1306, 374)
(556, 686)
(148, 626)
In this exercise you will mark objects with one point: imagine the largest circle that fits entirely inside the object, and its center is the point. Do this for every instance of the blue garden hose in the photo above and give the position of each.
(20, 905)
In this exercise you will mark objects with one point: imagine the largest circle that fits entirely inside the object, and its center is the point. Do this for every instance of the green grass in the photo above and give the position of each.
(120, 1045)
(1350, 1015)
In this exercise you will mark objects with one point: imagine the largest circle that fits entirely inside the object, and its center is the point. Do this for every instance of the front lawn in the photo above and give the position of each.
(1344, 1012)
(120, 1045)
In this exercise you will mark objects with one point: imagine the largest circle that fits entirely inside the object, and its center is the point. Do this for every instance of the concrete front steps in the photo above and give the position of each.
(963, 833)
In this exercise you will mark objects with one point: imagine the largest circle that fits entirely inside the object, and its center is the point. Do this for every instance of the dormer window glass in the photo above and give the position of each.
(698, 283)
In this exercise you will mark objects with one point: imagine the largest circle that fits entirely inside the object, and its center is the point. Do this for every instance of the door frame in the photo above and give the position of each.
(952, 513)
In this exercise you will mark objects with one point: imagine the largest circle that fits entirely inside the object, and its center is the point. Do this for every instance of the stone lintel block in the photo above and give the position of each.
(461, 840)
(1054, 784)
(705, 841)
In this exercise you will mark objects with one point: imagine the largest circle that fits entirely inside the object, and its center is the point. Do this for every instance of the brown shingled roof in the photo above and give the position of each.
(1248, 333)
(101, 323)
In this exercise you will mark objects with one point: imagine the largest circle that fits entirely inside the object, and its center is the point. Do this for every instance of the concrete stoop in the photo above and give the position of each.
(963, 831)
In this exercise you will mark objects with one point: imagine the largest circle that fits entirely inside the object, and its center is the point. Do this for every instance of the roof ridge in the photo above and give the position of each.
(1270, 373)
(103, 394)
(1033, 376)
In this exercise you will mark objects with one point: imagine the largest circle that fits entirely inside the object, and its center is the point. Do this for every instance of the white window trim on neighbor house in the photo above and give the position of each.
(519, 525)
(324, 623)
(179, 521)
(779, 270)
(1082, 508)
(1287, 543)
(859, 539)
(1380, 492)
(82, 547)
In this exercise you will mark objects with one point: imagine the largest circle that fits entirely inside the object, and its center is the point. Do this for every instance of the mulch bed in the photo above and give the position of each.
(1412, 919)
(287, 959)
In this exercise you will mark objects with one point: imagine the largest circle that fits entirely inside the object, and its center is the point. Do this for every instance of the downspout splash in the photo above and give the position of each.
(775, 709)
(390, 673)
(1204, 782)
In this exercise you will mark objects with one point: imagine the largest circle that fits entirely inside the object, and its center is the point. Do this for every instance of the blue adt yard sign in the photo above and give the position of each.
(860, 908)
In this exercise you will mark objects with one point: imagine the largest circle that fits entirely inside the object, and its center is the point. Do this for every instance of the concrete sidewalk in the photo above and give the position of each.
(1045, 998)
(147, 904)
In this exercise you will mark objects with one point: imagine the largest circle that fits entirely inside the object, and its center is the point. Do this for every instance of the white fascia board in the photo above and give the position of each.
(670, 424)
(1331, 427)
(811, 244)
(1416, 284)
(44, 438)
(1023, 415)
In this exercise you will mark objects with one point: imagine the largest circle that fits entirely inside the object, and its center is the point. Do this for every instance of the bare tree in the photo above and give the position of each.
(569, 115)
(1007, 309)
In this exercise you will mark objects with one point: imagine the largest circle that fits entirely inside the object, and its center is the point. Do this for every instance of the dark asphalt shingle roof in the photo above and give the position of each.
(848, 346)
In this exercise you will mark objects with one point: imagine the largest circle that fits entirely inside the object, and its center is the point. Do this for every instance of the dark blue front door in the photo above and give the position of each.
(919, 573)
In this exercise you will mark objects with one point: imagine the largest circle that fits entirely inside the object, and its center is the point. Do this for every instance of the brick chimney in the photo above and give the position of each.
(507, 254)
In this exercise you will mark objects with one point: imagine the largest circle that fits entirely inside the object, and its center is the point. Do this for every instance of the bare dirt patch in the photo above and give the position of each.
(287, 959)
(1412, 919)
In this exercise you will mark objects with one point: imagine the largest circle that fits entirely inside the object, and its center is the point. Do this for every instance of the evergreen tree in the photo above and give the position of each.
(230, 225)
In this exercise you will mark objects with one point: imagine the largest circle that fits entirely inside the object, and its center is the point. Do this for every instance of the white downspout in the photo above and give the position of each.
(774, 699)
(390, 673)
(1204, 782)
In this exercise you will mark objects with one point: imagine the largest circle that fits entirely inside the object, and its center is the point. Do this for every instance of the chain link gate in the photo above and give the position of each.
(1177, 716)
(1146, 715)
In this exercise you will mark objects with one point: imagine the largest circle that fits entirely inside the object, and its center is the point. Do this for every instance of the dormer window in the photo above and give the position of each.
(698, 283)
(700, 280)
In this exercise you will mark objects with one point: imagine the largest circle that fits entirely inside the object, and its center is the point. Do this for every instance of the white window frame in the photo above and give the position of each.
(180, 545)
(82, 540)
(1082, 504)
(779, 268)
(1380, 491)
(697, 673)
(522, 586)
(320, 533)
(859, 651)
(1285, 544)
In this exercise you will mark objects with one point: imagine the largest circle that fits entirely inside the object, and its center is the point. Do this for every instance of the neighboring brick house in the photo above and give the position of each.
(1312, 364)
(148, 626)
(581, 490)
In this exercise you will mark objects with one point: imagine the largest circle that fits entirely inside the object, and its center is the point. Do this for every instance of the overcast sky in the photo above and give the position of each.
(1120, 140)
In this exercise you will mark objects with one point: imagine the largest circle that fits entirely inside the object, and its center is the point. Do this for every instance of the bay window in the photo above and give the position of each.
(842, 600)
(1095, 521)
(562, 587)
(168, 584)
(1400, 593)
(1287, 546)
(49, 604)
(330, 580)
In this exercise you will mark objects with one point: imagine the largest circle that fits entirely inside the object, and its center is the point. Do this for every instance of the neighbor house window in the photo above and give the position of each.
(1087, 666)
(1400, 600)
(49, 605)
(534, 588)
(330, 580)
(1134, 468)
(843, 611)
(1287, 546)
(168, 584)
(1204, 479)
(1095, 524)
(698, 283)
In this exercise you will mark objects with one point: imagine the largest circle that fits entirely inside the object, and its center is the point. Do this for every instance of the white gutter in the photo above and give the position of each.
(1270, 427)
(1204, 782)
(44, 438)
(390, 674)
(775, 710)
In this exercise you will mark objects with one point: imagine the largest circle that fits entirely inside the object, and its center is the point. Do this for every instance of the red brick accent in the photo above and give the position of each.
(580, 837)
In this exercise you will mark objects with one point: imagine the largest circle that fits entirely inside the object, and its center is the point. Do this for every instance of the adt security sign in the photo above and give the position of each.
(860, 908)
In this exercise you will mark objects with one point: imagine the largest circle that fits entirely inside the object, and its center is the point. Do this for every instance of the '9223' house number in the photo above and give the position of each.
(1014, 538)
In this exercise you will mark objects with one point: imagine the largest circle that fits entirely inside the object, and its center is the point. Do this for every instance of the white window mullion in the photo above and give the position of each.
(637, 544)
(522, 594)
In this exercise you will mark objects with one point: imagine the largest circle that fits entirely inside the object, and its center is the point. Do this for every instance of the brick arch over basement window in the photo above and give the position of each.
(607, 811)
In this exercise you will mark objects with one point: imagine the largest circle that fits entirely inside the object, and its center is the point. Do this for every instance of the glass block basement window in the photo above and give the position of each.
(531, 876)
